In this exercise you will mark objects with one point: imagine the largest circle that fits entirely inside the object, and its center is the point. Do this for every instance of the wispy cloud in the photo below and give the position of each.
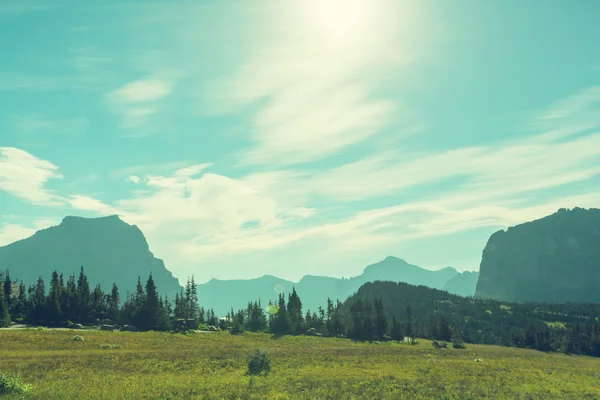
(24, 175)
(141, 91)
(136, 102)
(45, 125)
(315, 81)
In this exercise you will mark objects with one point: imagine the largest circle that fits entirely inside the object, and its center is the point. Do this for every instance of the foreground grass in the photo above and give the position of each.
(125, 365)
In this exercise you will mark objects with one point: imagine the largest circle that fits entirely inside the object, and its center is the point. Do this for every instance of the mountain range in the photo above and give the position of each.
(222, 295)
(110, 250)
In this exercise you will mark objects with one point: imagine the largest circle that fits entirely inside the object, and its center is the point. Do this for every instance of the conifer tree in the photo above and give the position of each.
(7, 289)
(4, 314)
(113, 303)
(381, 324)
(83, 297)
(54, 314)
(294, 309)
(396, 330)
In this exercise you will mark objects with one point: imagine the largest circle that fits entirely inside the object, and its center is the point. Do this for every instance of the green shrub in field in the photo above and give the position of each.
(12, 384)
(258, 363)
(78, 338)
(459, 344)
(237, 328)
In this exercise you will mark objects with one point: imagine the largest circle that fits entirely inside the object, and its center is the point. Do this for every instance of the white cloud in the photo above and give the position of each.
(87, 203)
(10, 233)
(141, 91)
(136, 102)
(133, 179)
(24, 175)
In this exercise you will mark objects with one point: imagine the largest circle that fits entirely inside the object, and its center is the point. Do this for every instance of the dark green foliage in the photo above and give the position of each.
(4, 314)
(255, 320)
(236, 328)
(396, 332)
(280, 323)
(438, 315)
(294, 311)
(258, 363)
(12, 384)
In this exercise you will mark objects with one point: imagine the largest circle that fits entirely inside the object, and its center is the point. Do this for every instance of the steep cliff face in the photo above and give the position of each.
(553, 259)
(109, 250)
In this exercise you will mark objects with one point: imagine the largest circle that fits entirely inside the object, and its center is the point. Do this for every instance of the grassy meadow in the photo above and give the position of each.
(127, 365)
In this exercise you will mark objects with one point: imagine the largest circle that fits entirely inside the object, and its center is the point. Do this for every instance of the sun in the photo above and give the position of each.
(340, 20)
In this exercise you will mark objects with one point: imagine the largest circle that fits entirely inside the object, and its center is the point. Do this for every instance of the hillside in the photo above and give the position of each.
(222, 295)
(553, 259)
(109, 249)
(573, 328)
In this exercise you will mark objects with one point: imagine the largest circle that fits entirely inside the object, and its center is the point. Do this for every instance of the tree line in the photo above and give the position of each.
(75, 302)
(378, 311)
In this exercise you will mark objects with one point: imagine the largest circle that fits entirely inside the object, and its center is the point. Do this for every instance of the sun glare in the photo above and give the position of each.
(340, 21)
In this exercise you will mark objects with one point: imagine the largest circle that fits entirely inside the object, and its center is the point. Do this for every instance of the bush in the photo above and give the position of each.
(237, 328)
(258, 363)
(77, 338)
(459, 345)
(12, 384)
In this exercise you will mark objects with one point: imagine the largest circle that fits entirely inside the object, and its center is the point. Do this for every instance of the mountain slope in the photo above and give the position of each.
(109, 249)
(463, 284)
(553, 259)
(314, 290)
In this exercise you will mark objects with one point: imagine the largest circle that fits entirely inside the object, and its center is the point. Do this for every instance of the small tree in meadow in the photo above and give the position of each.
(258, 363)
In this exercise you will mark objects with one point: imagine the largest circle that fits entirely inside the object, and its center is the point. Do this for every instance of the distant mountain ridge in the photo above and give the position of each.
(552, 259)
(109, 250)
(222, 295)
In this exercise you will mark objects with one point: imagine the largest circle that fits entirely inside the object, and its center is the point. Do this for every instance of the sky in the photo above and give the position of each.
(299, 137)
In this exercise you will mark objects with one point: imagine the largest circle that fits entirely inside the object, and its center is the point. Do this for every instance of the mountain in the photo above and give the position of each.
(568, 327)
(109, 250)
(462, 284)
(222, 295)
(553, 259)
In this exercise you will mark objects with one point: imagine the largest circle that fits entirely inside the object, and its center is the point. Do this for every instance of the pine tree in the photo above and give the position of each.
(381, 324)
(113, 303)
(280, 324)
(7, 289)
(4, 315)
(149, 315)
(83, 297)
(409, 329)
(168, 308)
(193, 299)
(54, 314)
(294, 308)
(396, 330)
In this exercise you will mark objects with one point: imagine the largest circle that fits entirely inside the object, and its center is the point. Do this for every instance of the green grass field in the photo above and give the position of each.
(124, 365)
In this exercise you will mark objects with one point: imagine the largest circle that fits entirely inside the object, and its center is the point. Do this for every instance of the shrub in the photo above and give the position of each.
(77, 338)
(258, 362)
(12, 384)
(459, 345)
(237, 328)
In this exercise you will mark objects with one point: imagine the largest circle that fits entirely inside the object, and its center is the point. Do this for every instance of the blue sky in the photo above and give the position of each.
(299, 137)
